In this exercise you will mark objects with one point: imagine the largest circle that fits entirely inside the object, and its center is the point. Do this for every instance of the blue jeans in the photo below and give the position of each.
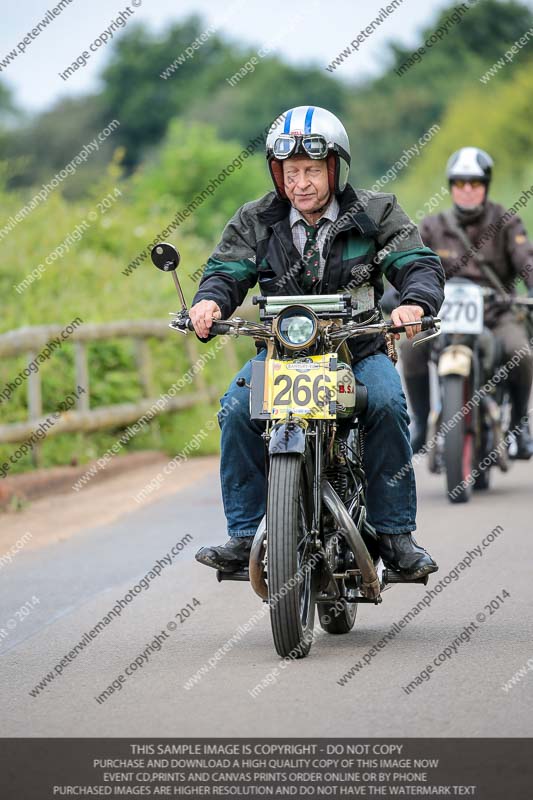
(391, 493)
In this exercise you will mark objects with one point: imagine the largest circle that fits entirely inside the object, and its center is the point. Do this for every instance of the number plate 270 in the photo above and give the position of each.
(462, 310)
(304, 387)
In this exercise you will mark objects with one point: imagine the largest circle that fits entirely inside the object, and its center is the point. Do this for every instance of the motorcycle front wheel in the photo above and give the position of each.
(459, 440)
(291, 576)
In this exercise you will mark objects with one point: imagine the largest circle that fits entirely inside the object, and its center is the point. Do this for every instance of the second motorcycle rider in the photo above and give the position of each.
(463, 238)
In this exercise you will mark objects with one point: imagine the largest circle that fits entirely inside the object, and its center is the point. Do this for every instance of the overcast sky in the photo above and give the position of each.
(326, 28)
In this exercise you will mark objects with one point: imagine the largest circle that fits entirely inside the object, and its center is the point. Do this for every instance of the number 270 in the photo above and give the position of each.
(447, 315)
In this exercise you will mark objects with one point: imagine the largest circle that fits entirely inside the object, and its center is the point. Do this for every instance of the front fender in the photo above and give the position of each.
(287, 437)
(455, 360)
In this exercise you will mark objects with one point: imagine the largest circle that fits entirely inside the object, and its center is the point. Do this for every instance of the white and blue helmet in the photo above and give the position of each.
(314, 132)
(470, 163)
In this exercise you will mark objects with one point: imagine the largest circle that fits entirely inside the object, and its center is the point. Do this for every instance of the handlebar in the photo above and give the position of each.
(425, 322)
(219, 328)
(224, 327)
(216, 329)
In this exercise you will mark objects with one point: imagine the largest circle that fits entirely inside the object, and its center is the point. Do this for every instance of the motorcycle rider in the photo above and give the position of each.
(311, 235)
(501, 260)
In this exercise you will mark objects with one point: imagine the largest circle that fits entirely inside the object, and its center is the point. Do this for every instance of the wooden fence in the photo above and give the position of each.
(31, 340)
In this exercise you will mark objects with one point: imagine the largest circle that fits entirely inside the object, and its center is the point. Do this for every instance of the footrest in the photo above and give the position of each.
(238, 575)
(390, 576)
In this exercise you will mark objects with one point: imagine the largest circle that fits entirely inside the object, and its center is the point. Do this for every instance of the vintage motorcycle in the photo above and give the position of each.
(315, 547)
(468, 431)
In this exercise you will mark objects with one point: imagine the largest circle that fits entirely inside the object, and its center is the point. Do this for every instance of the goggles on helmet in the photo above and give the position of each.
(313, 145)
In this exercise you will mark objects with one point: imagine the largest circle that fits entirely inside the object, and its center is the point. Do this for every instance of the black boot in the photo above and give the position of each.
(401, 553)
(228, 557)
(524, 443)
(417, 387)
(520, 392)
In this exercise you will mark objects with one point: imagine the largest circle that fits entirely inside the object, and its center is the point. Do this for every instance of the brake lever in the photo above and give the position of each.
(176, 327)
(433, 335)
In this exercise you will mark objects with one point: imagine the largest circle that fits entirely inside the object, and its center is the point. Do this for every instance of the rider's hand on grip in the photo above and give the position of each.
(426, 323)
(202, 316)
(216, 329)
(407, 313)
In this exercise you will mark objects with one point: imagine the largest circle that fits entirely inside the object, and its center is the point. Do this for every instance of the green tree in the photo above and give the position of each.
(9, 115)
(143, 101)
(393, 111)
(243, 110)
(198, 91)
(506, 134)
(47, 142)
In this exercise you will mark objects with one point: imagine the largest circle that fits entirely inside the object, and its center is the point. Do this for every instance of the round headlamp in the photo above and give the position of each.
(296, 327)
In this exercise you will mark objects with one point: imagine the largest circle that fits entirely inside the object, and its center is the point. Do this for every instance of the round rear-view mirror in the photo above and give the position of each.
(165, 256)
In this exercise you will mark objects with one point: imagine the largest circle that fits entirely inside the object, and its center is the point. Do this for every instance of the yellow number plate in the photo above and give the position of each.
(305, 387)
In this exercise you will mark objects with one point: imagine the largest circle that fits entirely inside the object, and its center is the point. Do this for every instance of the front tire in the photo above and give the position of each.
(291, 580)
(459, 441)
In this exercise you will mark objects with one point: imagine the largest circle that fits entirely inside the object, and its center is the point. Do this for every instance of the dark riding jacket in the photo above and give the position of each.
(497, 235)
(372, 237)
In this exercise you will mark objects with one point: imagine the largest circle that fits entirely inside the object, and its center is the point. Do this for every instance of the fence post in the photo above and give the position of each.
(82, 374)
(35, 406)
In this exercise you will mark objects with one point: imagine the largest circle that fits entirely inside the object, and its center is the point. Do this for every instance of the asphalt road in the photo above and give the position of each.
(77, 580)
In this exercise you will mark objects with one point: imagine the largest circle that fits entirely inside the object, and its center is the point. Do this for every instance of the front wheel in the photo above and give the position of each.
(459, 443)
(291, 576)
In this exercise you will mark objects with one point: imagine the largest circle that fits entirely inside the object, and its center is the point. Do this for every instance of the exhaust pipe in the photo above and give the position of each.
(371, 585)
(255, 568)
